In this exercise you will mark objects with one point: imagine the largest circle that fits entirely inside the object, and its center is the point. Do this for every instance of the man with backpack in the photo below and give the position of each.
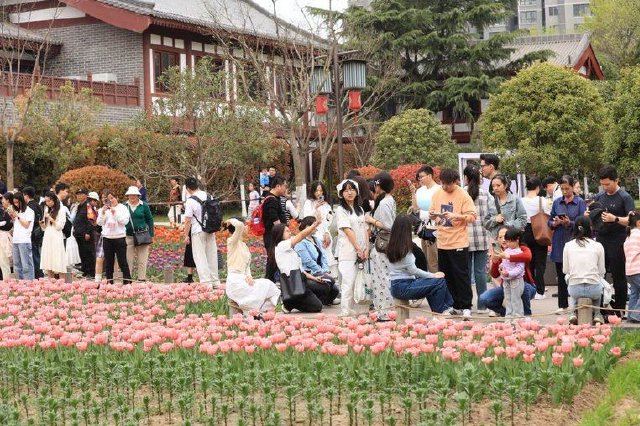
(203, 217)
(37, 233)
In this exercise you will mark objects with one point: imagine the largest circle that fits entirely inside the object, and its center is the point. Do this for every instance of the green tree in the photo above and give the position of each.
(414, 136)
(57, 134)
(623, 140)
(446, 64)
(548, 119)
(615, 28)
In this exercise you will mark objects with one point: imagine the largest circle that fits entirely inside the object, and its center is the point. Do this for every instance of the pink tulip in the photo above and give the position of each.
(614, 320)
(616, 351)
(578, 361)
(557, 358)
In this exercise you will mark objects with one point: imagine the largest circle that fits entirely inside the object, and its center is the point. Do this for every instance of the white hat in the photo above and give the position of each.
(93, 195)
(133, 190)
(341, 185)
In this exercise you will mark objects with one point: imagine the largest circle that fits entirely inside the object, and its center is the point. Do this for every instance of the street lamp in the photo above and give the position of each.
(354, 79)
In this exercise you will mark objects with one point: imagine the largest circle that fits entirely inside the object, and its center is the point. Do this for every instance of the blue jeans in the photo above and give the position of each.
(634, 297)
(434, 289)
(23, 261)
(586, 290)
(493, 298)
(478, 272)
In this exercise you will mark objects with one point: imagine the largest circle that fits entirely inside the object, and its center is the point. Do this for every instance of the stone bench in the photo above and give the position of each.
(402, 310)
(234, 308)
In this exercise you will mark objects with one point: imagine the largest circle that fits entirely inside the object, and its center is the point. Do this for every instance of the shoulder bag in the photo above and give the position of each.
(362, 284)
(382, 240)
(141, 237)
(292, 285)
(540, 227)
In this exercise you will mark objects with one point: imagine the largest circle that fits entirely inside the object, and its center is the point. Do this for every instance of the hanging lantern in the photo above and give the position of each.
(321, 80)
(355, 74)
(354, 100)
(322, 104)
(323, 129)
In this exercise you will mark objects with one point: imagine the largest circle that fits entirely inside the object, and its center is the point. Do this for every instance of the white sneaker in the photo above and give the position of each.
(493, 314)
(466, 314)
(452, 311)
(482, 311)
(539, 296)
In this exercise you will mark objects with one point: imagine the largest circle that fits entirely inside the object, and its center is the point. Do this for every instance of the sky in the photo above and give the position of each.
(291, 10)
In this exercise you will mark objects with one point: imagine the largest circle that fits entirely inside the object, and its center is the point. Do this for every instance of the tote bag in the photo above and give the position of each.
(292, 285)
(539, 225)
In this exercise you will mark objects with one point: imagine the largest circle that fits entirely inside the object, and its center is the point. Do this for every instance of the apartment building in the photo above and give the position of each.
(552, 16)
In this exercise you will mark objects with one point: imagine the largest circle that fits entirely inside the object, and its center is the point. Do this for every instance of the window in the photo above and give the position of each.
(250, 83)
(528, 2)
(529, 17)
(581, 10)
(162, 61)
(553, 11)
(217, 66)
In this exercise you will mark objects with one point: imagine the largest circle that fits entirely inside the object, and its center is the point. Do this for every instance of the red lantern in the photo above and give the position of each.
(354, 100)
(322, 104)
(322, 128)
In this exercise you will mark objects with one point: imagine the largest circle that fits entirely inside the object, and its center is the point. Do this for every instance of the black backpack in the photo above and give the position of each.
(211, 218)
(66, 230)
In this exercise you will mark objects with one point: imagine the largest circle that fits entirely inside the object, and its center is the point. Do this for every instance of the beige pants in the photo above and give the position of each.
(138, 256)
(430, 250)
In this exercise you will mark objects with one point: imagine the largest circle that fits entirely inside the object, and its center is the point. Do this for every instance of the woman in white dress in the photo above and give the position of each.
(317, 203)
(352, 247)
(258, 294)
(53, 259)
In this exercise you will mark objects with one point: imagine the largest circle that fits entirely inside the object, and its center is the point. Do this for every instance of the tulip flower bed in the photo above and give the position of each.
(72, 354)
(167, 251)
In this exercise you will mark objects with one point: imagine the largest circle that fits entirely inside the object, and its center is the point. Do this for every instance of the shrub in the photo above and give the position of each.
(401, 192)
(97, 178)
(368, 172)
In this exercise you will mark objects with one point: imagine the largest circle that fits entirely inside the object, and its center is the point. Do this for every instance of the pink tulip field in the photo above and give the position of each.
(151, 354)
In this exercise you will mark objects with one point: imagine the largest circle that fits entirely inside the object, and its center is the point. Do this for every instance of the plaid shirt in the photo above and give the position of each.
(478, 235)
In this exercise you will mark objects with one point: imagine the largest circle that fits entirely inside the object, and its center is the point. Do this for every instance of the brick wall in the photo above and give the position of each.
(118, 115)
(100, 48)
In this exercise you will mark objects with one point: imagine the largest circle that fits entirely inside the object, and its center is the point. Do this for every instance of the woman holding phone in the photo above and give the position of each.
(564, 212)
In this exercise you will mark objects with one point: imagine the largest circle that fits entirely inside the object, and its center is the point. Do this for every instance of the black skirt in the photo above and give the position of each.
(188, 255)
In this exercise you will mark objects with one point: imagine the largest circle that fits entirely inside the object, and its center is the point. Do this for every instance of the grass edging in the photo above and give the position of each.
(623, 384)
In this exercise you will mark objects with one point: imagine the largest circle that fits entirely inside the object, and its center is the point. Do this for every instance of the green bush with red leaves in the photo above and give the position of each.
(97, 178)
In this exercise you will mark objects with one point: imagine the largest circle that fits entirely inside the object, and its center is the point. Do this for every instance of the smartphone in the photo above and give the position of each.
(562, 216)
(497, 248)
(321, 198)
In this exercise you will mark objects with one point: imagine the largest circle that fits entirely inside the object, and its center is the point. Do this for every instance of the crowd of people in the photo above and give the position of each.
(362, 254)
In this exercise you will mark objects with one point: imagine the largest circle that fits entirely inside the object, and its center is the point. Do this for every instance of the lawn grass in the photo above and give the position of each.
(620, 405)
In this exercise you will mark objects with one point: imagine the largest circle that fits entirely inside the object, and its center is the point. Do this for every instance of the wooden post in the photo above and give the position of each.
(402, 310)
(68, 276)
(243, 199)
(117, 277)
(168, 275)
(585, 314)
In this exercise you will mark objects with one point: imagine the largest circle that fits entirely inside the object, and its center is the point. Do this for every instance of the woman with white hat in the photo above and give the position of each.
(352, 247)
(140, 220)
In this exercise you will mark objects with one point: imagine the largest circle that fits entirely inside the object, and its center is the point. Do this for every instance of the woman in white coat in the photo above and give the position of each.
(249, 293)
(54, 258)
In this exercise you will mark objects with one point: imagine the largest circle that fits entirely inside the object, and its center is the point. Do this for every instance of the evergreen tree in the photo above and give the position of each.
(446, 62)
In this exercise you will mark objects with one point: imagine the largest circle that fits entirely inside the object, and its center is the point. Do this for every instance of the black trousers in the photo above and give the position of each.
(116, 247)
(563, 291)
(326, 293)
(455, 265)
(87, 250)
(36, 249)
(308, 302)
(614, 260)
(538, 258)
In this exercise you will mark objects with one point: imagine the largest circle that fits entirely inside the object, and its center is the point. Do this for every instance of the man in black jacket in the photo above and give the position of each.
(272, 212)
(37, 233)
(84, 233)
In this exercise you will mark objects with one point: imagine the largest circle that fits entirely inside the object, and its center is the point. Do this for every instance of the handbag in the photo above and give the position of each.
(382, 240)
(362, 284)
(424, 229)
(539, 225)
(141, 237)
(292, 286)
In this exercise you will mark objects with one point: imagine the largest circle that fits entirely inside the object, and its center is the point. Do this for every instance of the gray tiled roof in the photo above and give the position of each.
(237, 15)
(567, 48)
(15, 32)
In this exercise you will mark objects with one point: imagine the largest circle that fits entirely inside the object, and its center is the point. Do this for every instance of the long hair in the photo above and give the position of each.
(357, 209)
(582, 231)
(385, 182)
(53, 211)
(277, 233)
(400, 241)
(472, 173)
(311, 192)
(364, 193)
(22, 204)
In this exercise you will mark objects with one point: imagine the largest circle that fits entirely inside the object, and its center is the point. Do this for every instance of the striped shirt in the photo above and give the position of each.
(632, 252)
(478, 235)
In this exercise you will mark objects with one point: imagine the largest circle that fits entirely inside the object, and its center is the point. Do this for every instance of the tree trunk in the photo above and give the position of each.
(299, 163)
(10, 177)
